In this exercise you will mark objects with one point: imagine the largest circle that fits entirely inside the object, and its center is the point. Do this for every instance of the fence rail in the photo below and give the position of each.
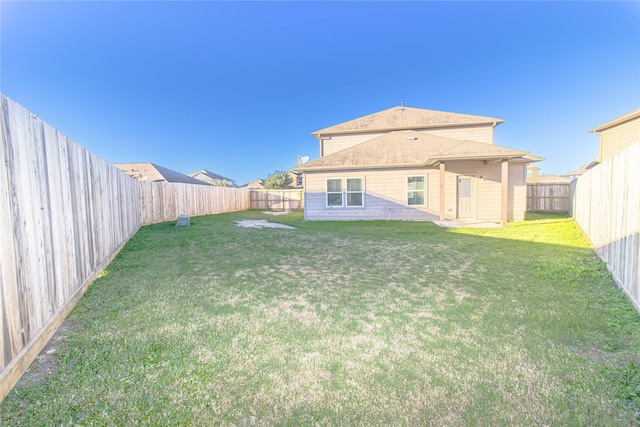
(65, 213)
(277, 200)
(606, 205)
(548, 197)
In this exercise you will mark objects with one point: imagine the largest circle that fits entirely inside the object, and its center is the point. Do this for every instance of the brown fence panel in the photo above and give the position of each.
(548, 197)
(278, 200)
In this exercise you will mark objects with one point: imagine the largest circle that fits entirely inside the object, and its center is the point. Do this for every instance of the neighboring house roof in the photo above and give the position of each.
(255, 184)
(150, 172)
(576, 172)
(210, 177)
(629, 116)
(534, 158)
(400, 118)
(548, 178)
(409, 148)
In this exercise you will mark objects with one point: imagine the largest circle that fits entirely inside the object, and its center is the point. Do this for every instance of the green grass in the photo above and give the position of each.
(346, 323)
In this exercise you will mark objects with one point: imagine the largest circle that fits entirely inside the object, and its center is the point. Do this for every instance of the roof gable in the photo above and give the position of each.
(211, 175)
(409, 148)
(404, 118)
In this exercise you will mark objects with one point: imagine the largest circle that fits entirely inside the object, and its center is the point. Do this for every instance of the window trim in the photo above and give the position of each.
(326, 199)
(344, 192)
(347, 192)
(424, 190)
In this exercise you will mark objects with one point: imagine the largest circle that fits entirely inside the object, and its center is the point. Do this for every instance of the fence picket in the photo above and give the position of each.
(548, 196)
(65, 214)
(606, 205)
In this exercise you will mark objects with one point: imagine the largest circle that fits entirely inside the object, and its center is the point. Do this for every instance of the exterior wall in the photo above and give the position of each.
(619, 137)
(385, 192)
(342, 141)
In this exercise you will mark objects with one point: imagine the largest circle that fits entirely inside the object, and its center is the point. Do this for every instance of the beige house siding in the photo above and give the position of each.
(384, 196)
(385, 193)
(619, 137)
(339, 142)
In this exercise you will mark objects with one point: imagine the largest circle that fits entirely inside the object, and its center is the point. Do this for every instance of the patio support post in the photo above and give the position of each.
(505, 192)
(441, 192)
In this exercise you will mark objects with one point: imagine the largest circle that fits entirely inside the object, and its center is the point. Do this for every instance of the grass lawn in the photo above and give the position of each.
(344, 323)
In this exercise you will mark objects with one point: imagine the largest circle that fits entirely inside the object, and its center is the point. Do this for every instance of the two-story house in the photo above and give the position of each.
(414, 164)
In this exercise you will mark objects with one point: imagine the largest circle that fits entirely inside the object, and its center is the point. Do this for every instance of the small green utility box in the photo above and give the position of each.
(183, 221)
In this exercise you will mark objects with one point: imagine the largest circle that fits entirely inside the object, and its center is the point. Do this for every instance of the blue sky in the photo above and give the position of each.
(237, 87)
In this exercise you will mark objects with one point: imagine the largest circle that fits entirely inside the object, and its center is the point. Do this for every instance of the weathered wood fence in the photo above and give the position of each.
(164, 201)
(548, 196)
(278, 200)
(606, 205)
(65, 213)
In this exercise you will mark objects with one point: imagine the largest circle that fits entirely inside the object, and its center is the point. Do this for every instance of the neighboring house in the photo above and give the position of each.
(296, 179)
(533, 172)
(414, 164)
(212, 178)
(256, 184)
(618, 134)
(150, 172)
(576, 173)
(533, 176)
(549, 179)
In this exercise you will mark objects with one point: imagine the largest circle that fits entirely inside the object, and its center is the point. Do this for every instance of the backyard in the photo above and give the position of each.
(343, 323)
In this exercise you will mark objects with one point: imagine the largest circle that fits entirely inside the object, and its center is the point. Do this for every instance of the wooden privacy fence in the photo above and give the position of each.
(164, 201)
(548, 196)
(65, 213)
(278, 200)
(606, 205)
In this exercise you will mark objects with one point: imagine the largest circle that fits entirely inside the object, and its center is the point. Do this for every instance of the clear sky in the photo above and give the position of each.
(237, 87)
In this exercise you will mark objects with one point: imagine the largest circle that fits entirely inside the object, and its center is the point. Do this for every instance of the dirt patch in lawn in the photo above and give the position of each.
(46, 364)
(261, 223)
(605, 357)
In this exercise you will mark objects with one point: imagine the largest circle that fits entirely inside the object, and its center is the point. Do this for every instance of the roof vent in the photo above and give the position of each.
(412, 138)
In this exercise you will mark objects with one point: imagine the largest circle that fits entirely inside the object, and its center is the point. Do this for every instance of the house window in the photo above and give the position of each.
(415, 190)
(355, 192)
(334, 192)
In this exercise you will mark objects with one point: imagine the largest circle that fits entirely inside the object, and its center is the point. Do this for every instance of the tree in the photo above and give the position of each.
(278, 180)
(221, 183)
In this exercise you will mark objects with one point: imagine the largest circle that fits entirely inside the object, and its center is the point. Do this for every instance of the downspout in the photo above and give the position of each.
(304, 197)
(321, 145)
(442, 192)
(504, 203)
(493, 126)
